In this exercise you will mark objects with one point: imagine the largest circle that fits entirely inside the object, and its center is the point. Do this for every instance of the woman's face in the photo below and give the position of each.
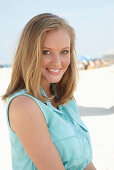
(55, 56)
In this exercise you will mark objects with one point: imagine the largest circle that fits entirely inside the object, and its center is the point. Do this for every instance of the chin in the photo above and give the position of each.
(56, 81)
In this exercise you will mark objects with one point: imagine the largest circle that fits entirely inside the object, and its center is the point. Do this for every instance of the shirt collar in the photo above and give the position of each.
(59, 110)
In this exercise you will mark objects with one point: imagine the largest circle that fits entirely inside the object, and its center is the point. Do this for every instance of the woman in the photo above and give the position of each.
(46, 131)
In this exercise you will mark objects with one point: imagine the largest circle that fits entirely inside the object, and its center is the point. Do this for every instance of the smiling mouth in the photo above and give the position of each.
(54, 70)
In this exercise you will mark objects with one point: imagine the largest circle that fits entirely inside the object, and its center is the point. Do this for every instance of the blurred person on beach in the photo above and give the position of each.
(45, 128)
(86, 63)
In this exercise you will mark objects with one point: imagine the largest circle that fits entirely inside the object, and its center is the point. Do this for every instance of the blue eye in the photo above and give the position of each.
(46, 52)
(65, 52)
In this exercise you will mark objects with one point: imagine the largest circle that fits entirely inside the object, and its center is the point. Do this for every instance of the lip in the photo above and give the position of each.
(54, 71)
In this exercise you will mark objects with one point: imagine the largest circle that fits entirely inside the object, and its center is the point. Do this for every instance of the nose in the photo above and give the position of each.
(56, 59)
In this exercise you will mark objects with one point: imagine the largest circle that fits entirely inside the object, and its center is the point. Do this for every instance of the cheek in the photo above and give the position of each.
(44, 62)
(66, 61)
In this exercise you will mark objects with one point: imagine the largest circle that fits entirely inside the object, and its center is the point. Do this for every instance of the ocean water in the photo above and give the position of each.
(5, 65)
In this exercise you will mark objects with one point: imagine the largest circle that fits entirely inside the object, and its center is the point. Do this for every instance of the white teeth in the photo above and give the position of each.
(54, 70)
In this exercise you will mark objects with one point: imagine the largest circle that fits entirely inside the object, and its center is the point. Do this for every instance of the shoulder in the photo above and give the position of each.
(23, 109)
(72, 101)
(23, 103)
(72, 106)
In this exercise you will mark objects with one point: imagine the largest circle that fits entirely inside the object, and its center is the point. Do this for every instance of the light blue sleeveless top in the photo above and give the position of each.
(67, 131)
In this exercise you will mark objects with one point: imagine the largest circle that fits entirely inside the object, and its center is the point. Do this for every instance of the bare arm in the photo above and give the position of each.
(28, 122)
(90, 167)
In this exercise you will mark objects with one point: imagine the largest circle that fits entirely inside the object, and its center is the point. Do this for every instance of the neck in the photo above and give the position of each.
(46, 88)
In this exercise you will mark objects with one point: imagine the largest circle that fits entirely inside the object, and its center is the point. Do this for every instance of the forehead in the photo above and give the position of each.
(57, 38)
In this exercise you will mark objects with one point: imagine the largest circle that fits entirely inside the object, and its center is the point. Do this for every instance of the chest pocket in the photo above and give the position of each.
(61, 132)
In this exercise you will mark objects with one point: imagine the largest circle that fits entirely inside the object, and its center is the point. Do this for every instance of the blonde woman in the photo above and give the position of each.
(46, 131)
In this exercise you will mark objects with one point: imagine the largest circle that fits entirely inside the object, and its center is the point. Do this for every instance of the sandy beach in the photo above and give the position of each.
(95, 100)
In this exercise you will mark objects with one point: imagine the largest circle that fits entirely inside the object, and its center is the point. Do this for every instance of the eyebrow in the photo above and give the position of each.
(52, 49)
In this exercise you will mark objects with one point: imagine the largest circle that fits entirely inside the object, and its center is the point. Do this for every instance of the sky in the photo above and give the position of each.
(93, 21)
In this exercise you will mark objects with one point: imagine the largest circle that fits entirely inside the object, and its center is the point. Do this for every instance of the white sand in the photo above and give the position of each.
(95, 99)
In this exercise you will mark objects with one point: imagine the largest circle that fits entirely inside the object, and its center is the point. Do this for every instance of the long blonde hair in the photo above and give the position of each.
(26, 70)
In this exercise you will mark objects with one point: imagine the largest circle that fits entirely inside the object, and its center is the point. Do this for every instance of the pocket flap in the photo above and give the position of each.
(82, 125)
